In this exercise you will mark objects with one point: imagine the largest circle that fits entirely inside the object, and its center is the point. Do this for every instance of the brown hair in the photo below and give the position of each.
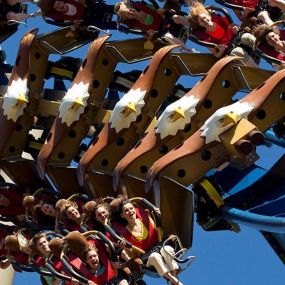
(197, 9)
(261, 32)
(62, 206)
(116, 207)
(11, 243)
(89, 206)
(87, 250)
(101, 203)
(34, 240)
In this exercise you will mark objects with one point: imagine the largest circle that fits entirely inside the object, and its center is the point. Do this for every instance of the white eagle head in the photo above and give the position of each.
(127, 109)
(176, 116)
(15, 99)
(223, 119)
(73, 103)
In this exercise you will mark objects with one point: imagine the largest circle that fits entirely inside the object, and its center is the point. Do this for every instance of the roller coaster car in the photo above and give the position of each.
(229, 136)
(29, 72)
(182, 118)
(72, 125)
(9, 27)
(267, 52)
(73, 256)
(133, 115)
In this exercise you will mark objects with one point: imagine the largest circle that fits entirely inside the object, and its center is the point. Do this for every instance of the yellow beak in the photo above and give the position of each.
(21, 100)
(78, 103)
(178, 113)
(230, 118)
(129, 108)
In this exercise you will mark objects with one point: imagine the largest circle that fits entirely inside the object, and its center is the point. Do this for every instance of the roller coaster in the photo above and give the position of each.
(123, 120)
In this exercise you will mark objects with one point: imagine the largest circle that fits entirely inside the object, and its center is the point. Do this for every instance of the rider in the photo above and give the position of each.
(270, 42)
(161, 22)
(40, 243)
(218, 30)
(101, 270)
(69, 216)
(138, 227)
(88, 12)
(42, 207)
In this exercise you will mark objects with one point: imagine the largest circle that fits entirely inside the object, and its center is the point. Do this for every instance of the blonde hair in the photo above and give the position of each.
(197, 9)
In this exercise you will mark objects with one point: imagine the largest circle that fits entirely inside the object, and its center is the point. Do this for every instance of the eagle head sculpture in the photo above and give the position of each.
(176, 116)
(223, 119)
(15, 99)
(73, 103)
(127, 109)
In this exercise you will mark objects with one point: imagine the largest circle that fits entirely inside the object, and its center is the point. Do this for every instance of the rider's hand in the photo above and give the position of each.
(235, 29)
(121, 243)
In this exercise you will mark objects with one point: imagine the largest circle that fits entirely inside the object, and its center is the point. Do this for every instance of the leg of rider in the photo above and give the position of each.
(238, 51)
(265, 18)
(167, 252)
(173, 40)
(156, 260)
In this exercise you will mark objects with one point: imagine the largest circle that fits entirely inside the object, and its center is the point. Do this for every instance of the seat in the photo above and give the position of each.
(139, 264)
(73, 255)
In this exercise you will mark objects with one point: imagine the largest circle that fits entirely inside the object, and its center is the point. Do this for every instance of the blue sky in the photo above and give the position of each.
(223, 258)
